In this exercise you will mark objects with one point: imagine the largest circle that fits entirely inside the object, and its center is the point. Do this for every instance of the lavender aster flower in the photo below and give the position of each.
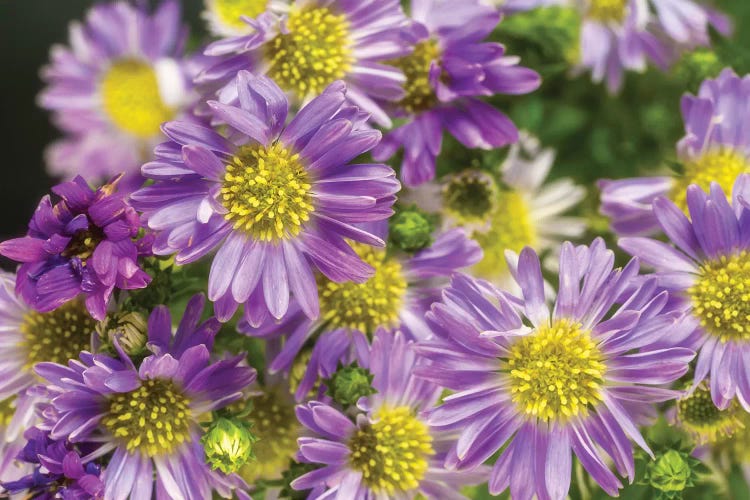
(716, 148)
(278, 200)
(148, 417)
(540, 383)
(709, 270)
(619, 35)
(449, 68)
(315, 44)
(394, 298)
(390, 451)
(82, 245)
(122, 76)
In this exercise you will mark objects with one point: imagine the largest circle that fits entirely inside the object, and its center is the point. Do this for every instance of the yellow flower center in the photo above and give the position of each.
(131, 98)
(699, 416)
(229, 11)
(511, 228)
(153, 419)
(365, 306)
(277, 429)
(720, 166)
(7, 410)
(420, 95)
(393, 452)
(556, 372)
(267, 192)
(83, 243)
(721, 297)
(608, 10)
(57, 336)
(316, 51)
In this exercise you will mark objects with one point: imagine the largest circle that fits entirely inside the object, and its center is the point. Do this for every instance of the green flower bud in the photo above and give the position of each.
(698, 65)
(350, 383)
(411, 230)
(130, 329)
(671, 473)
(228, 445)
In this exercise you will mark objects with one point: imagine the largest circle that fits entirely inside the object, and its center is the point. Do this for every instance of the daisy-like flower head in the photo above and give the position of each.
(390, 450)
(58, 471)
(716, 148)
(540, 383)
(394, 298)
(149, 416)
(706, 424)
(619, 35)
(84, 244)
(240, 18)
(278, 200)
(449, 68)
(710, 270)
(316, 43)
(122, 76)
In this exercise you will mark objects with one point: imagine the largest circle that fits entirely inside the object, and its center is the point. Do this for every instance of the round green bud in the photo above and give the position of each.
(350, 383)
(411, 230)
(130, 329)
(228, 445)
(671, 473)
(698, 65)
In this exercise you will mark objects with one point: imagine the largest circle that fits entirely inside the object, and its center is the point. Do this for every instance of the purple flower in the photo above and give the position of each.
(626, 34)
(122, 76)
(716, 148)
(390, 451)
(538, 383)
(394, 298)
(449, 68)
(315, 43)
(149, 416)
(82, 245)
(59, 471)
(710, 271)
(278, 200)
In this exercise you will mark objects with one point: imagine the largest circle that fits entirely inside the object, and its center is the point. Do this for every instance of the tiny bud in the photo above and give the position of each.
(411, 230)
(350, 383)
(130, 329)
(228, 445)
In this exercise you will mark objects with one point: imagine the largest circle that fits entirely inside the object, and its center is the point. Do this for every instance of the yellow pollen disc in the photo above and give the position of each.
(608, 10)
(131, 98)
(420, 95)
(315, 52)
(57, 336)
(556, 372)
(720, 166)
(277, 429)
(365, 306)
(511, 228)
(229, 11)
(721, 297)
(153, 419)
(7, 410)
(699, 416)
(83, 243)
(267, 192)
(393, 452)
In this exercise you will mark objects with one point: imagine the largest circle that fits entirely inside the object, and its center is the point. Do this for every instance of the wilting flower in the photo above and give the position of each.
(148, 416)
(710, 271)
(394, 298)
(122, 76)
(448, 70)
(233, 18)
(82, 245)
(58, 470)
(278, 200)
(390, 450)
(315, 43)
(619, 35)
(716, 148)
(538, 384)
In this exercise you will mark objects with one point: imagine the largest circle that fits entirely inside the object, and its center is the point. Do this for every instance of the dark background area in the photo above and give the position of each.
(28, 28)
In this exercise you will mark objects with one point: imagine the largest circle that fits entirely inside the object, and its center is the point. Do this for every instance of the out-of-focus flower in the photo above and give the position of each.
(541, 384)
(716, 148)
(82, 245)
(390, 450)
(278, 200)
(449, 69)
(710, 271)
(394, 298)
(315, 43)
(122, 76)
(148, 417)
